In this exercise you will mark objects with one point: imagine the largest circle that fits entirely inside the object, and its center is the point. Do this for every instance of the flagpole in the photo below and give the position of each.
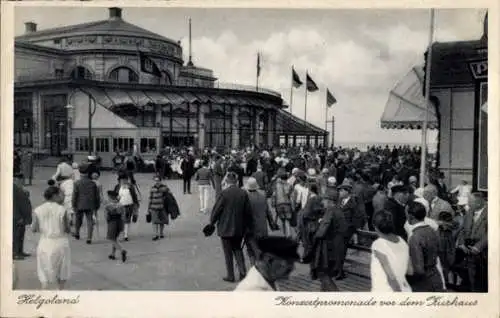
(305, 101)
(423, 157)
(258, 71)
(291, 92)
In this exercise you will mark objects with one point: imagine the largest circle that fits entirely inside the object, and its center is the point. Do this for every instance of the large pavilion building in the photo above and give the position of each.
(110, 85)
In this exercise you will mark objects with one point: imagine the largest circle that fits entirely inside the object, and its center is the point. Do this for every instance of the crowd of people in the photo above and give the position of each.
(322, 202)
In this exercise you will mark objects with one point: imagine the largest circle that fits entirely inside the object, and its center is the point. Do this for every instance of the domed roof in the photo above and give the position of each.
(115, 25)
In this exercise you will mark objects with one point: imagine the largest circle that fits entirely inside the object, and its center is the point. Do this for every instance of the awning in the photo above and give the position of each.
(292, 125)
(119, 97)
(100, 97)
(140, 98)
(174, 99)
(405, 107)
(157, 98)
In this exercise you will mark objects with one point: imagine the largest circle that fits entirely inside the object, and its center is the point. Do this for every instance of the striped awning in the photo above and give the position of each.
(157, 98)
(140, 98)
(290, 124)
(175, 99)
(119, 97)
(406, 107)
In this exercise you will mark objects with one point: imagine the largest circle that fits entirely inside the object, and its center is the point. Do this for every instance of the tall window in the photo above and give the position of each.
(123, 144)
(102, 144)
(82, 144)
(23, 120)
(124, 75)
(81, 72)
(148, 145)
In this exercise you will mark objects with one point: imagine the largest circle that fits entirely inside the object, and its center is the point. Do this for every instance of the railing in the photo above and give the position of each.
(197, 71)
(218, 85)
(248, 88)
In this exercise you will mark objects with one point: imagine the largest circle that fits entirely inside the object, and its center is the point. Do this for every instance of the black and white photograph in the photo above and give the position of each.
(249, 149)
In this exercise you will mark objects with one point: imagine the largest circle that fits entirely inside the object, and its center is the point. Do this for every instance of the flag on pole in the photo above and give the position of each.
(296, 79)
(311, 86)
(148, 65)
(258, 64)
(330, 99)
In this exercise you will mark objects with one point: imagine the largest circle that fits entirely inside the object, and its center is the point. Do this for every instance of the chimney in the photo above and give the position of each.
(30, 27)
(115, 13)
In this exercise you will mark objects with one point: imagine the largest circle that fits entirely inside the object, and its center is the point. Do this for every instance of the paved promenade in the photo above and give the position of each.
(185, 260)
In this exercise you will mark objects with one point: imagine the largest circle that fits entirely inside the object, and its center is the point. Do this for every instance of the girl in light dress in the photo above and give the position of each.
(390, 257)
(51, 220)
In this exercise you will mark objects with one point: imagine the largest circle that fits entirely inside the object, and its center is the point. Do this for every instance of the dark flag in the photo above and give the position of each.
(148, 65)
(296, 79)
(311, 86)
(330, 99)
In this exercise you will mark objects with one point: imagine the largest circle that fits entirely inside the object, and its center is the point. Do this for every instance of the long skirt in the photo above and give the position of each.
(53, 260)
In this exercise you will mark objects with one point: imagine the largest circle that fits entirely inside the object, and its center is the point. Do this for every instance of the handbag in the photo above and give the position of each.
(148, 218)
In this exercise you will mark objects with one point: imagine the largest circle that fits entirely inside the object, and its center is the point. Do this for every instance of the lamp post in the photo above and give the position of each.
(70, 110)
(59, 139)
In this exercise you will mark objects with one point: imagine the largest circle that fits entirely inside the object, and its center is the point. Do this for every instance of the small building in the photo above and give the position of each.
(109, 86)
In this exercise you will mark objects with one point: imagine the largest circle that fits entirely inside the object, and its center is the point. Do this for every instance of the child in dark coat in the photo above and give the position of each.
(115, 213)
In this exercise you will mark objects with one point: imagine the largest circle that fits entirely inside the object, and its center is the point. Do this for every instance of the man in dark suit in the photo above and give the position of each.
(348, 206)
(232, 213)
(187, 167)
(397, 205)
(473, 241)
(21, 216)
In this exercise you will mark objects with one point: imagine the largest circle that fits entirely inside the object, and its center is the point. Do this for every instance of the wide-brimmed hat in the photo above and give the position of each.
(278, 246)
(399, 188)
(252, 184)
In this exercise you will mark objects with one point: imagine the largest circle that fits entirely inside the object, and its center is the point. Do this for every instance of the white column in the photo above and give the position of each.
(235, 125)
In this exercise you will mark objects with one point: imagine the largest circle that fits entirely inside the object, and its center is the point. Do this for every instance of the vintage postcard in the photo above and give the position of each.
(249, 158)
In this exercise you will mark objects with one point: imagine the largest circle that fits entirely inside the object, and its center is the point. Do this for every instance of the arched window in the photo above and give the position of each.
(81, 72)
(124, 75)
(165, 78)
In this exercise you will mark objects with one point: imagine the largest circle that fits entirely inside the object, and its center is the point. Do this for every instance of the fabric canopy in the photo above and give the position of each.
(405, 107)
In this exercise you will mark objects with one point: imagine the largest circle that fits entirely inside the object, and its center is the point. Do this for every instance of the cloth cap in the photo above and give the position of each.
(252, 184)
(325, 170)
(281, 247)
(311, 172)
(332, 180)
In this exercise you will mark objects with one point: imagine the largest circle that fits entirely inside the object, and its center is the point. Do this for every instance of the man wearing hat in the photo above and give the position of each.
(276, 262)
(21, 216)
(348, 206)
(397, 206)
(232, 213)
(261, 217)
(85, 200)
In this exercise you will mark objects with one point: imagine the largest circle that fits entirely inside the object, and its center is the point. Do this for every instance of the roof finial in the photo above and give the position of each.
(190, 62)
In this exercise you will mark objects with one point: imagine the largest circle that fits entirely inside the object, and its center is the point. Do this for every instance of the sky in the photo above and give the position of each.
(359, 55)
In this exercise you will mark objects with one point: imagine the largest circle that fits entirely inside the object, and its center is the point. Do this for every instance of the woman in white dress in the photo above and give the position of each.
(390, 257)
(53, 252)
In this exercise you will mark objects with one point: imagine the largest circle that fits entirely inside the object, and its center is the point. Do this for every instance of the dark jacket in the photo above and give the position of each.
(22, 210)
(398, 216)
(187, 167)
(261, 178)
(424, 249)
(232, 213)
(85, 195)
(261, 215)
